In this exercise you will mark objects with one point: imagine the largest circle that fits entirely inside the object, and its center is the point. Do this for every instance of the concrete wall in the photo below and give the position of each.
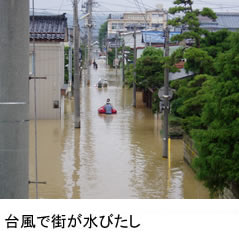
(49, 63)
(14, 107)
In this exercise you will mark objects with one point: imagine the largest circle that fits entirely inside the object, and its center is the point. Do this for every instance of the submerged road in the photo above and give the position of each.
(110, 156)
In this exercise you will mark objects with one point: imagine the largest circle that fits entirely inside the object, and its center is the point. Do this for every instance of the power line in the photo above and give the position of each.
(61, 6)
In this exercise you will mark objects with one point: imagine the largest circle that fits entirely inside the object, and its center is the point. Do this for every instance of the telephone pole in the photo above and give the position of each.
(166, 97)
(135, 58)
(70, 65)
(14, 99)
(89, 8)
(116, 54)
(123, 51)
(76, 66)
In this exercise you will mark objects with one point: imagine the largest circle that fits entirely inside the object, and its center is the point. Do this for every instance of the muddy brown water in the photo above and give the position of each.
(110, 156)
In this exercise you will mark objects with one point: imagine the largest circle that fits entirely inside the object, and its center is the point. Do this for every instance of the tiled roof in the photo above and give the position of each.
(180, 75)
(51, 28)
(227, 20)
(180, 65)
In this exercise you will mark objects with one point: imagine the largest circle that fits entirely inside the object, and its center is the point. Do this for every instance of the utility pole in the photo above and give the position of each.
(89, 8)
(85, 42)
(123, 51)
(135, 58)
(76, 66)
(70, 64)
(107, 57)
(14, 99)
(166, 97)
(116, 54)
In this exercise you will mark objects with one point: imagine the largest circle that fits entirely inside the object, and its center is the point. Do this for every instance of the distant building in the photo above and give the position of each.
(225, 20)
(148, 38)
(151, 19)
(50, 33)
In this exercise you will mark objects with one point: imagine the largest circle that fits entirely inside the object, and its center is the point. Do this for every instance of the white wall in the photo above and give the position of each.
(129, 39)
(49, 63)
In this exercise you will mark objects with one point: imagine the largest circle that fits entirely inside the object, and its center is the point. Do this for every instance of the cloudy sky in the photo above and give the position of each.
(116, 6)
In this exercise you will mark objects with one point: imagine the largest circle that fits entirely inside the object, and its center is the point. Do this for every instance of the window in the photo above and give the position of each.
(157, 15)
(157, 25)
(117, 26)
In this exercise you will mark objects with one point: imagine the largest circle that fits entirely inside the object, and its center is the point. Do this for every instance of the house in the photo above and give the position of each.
(181, 74)
(49, 33)
(148, 38)
(225, 20)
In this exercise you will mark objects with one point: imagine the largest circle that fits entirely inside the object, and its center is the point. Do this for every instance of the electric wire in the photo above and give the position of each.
(61, 5)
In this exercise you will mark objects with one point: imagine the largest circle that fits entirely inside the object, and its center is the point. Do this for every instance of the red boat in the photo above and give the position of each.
(101, 110)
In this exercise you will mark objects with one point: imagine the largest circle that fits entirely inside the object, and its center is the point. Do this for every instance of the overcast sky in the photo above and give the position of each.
(114, 6)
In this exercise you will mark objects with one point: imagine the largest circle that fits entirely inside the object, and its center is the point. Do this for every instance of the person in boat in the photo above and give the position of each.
(108, 107)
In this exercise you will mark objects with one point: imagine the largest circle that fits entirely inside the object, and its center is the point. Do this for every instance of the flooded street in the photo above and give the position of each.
(110, 156)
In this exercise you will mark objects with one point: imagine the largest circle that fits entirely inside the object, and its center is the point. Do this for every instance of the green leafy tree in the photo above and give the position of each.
(216, 42)
(149, 72)
(198, 61)
(149, 68)
(103, 34)
(218, 144)
(129, 72)
(189, 21)
(190, 100)
(208, 104)
(111, 56)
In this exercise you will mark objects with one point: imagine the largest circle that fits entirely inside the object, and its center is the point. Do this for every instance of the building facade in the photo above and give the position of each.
(151, 19)
(50, 33)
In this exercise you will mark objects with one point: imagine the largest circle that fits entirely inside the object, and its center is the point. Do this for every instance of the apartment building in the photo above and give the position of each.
(151, 19)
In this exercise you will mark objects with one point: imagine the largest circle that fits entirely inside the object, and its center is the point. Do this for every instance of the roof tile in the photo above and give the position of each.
(52, 28)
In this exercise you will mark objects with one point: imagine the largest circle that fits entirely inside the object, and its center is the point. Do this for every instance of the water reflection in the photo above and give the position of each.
(110, 156)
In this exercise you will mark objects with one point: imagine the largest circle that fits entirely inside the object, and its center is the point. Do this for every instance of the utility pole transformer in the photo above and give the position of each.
(90, 3)
(166, 97)
(135, 58)
(76, 66)
(14, 99)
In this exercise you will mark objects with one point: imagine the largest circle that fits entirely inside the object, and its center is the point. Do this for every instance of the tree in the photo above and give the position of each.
(191, 97)
(216, 42)
(189, 21)
(198, 61)
(218, 144)
(103, 34)
(149, 69)
(149, 73)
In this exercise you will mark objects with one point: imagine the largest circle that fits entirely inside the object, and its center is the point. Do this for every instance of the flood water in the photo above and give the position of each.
(110, 156)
